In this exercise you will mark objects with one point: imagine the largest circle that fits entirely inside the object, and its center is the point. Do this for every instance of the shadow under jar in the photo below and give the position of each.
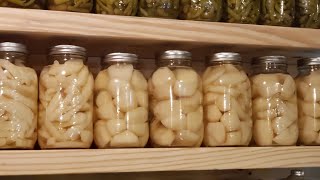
(201, 10)
(308, 91)
(274, 103)
(308, 13)
(242, 11)
(117, 7)
(175, 92)
(18, 98)
(227, 102)
(29, 4)
(277, 12)
(83, 6)
(66, 100)
(121, 103)
(159, 8)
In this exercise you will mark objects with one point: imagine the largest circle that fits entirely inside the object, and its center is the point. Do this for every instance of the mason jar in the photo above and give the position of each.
(227, 102)
(66, 100)
(205, 10)
(274, 102)
(18, 98)
(121, 103)
(159, 8)
(84, 6)
(242, 11)
(31, 4)
(308, 92)
(175, 92)
(308, 13)
(117, 7)
(277, 12)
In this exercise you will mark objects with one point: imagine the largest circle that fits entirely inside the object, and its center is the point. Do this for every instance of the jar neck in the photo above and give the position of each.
(105, 65)
(62, 58)
(305, 70)
(269, 68)
(218, 63)
(174, 63)
(16, 58)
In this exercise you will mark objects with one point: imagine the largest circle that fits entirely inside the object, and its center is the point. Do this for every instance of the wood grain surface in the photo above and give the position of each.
(154, 159)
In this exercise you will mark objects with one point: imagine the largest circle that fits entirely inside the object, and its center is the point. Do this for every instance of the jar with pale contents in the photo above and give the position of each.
(308, 92)
(274, 102)
(66, 100)
(121, 103)
(18, 98)
(175, 92)
(227, 102)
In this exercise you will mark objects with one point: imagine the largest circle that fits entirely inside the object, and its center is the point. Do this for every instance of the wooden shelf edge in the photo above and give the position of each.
(36, 162)
(153, 29)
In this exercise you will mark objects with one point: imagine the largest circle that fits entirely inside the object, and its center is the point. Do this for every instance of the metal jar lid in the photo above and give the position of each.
(175, 54)
(13, 47)
(68, 49)
(297, 172)
(269, 59)
(309, 61)
(225, 56)
(120, 57)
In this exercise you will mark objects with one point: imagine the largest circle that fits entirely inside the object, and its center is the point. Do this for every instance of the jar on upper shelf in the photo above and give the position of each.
(227, 102)
(242, 11)
(308, 92)
(66, 100)
(277, 12)
(308, 13)
(274, 102)
(175, 92)
(18, 98)
(117, 7)
(121, 103)
(204, 10)
(29, 4)
(83, 6)
(159, 8)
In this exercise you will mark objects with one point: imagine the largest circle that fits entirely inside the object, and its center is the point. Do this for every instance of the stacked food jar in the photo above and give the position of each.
(175, 92)
(161, 9)
(274, 102)
(66, 100)
(118, 7)
(121, 103)
(242, 11)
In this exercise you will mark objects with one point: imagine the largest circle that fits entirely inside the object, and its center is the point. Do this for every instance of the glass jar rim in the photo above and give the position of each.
(13, 47)
(311, 61)
(67, 49)
(224, 57)
(175, 54)
(120, 57)
(281, 60)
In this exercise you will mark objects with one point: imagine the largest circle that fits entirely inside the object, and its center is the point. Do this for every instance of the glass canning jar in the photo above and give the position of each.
(117, 7)
(242, 11)
(121, 103)
(274, 102)
(29, 4)
(83, 6)
(227, 102)
(66, 100)
(203, 10)
(159, 8)
(277, 12)
(308, 13)
(18, 98)
(175, 92)
(308, 92)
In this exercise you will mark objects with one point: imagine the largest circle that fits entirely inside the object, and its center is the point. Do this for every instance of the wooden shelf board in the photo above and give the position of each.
(33, 162)
(40, 29)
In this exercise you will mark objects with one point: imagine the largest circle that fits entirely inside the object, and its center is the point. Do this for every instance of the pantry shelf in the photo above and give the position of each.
(35, 162)
(40, 29)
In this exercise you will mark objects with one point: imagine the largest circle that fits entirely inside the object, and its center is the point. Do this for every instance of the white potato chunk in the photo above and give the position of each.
(224, 103)
(86, 136)
(231, 121)
(125, 139)
(231, 79)
(101, 135)
(116, 87)
(175, 122)
(185, 138)
(189, 104)
(212, 113)
(288, 136)
(137, 116)
(163, 92)
(288, 88)
(280, 124)
(138, 129)
(116, 126)
(246, 132)
(107, 111)
(212, 74)
(263, 104)
(142, 98)
(216, 131)
(103, 97)
(101, 81)
(221, 90)
(195, 120)
(210, 98)
(262, 132)
(162, 136)
(186, 82)
(120, 71)
(126, 100)
(233, 138)
(143, 140)
(166, 108)
(163, 76)
(138, 81)
(266, 85)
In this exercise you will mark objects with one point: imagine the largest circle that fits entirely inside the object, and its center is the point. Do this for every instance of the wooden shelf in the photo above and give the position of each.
(40, 29)
(35, 162)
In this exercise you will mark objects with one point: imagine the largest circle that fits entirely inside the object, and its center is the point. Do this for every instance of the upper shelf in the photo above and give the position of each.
(35, 162)
(112, 32)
